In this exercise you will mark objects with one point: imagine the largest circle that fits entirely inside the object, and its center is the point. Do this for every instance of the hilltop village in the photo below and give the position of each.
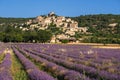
(67, 27)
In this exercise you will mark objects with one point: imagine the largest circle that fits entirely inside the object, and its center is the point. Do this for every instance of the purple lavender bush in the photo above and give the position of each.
(33, 72)
(5, 68)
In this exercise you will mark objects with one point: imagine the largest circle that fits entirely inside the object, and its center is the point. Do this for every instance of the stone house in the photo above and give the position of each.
(113, 24)
(39, 18)
(71, 33)
(75, 25)
(83, 29)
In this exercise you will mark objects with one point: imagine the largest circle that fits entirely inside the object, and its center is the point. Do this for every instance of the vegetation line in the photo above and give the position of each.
(1, 57)
(17, 69)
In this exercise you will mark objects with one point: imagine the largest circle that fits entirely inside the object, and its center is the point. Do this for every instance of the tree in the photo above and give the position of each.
(29, 36)
(44, 36)
(2, 36)
(64, 41)
(55, 30)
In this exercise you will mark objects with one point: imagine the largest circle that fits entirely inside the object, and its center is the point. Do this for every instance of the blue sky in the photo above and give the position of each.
(32, 8)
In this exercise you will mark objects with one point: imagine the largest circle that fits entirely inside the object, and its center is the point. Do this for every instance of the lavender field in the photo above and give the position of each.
(58, 62)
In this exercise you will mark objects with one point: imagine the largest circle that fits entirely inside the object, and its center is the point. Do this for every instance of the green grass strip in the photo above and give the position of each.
(2, 55)
(17, 69)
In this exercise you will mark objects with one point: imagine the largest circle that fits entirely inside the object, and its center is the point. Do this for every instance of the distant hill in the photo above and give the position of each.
(89, 20)
(101, 28)
(13, 20)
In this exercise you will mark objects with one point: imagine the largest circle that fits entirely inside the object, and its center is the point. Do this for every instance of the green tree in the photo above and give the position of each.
(64, 41)
(44, 36)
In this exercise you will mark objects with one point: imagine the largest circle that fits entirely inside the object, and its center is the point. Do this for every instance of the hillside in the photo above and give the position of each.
(103, 28)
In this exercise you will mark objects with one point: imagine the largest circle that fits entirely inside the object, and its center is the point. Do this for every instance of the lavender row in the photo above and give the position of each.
(75, 51)
(69, 58)
(96, 58)
(91, 72)
(56, 69)
(33, 72)
(91, 59)
(85, 50)
(52, 49)
(64, 57)
(5, 68)
(96, 55)
(92, 54)
(79, 61)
